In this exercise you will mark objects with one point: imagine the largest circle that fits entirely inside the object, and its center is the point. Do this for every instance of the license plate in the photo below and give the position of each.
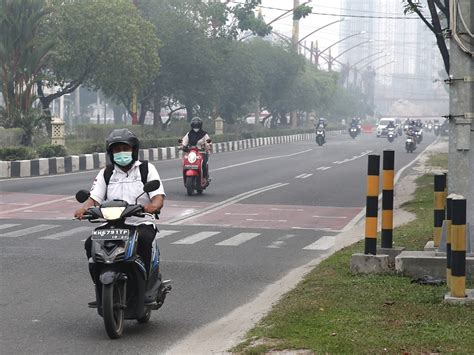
(110, 234)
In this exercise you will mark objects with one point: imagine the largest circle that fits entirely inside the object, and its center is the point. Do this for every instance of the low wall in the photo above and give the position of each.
(84, 162)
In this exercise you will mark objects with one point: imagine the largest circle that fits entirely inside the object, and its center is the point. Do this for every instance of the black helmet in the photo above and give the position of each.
(122, 135)
(196, 122)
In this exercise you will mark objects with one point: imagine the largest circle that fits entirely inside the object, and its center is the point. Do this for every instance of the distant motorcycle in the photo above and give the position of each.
(410, 144)
(320, 137)
(391, 134)
(193, 161)
(353, 132)
(437, 129)
(123, 288)
(419, 135)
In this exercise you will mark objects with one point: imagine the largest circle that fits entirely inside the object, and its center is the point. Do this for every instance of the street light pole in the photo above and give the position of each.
(320, 28)
(295, 42)
(337, 42)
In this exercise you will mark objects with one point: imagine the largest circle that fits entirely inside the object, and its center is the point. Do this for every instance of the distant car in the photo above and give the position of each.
(382, 126)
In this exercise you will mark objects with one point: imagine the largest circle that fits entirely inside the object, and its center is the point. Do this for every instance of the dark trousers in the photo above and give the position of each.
(146, 235)
(205, 167)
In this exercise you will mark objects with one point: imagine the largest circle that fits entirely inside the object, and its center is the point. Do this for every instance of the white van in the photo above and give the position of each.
(382, 126)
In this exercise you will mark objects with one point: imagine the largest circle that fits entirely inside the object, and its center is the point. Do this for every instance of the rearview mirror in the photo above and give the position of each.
(82, 196)
(209, 141)
(180, 140)
(151, 186)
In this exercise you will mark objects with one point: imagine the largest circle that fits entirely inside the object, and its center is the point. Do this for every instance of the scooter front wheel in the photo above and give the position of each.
(112, 308)
(190, 185)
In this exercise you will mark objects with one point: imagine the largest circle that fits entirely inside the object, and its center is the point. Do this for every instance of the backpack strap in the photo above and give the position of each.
(109, 170)
(144, 171)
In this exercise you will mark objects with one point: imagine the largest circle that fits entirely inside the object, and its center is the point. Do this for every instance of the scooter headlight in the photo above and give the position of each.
(112, 213)
(192, 157)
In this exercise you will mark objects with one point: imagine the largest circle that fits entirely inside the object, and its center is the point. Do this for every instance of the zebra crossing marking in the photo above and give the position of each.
(323, 243)
(5, 226)
(26, 231)
(192, 239)
(164, 233)
(67, 233)
(238, 239)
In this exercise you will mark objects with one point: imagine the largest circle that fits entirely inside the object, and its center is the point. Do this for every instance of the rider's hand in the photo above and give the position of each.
(150, 208)
(79, 214)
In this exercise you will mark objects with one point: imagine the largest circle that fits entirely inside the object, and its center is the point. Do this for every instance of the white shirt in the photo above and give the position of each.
(126, 186)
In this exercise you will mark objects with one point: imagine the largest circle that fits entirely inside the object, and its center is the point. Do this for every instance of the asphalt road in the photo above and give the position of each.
(268, 210)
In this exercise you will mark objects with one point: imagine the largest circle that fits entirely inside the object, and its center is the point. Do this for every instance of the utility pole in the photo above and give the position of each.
(461, 104)
(294, 43)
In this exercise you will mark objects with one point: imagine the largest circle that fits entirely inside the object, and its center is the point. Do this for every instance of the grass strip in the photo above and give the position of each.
(333, 311)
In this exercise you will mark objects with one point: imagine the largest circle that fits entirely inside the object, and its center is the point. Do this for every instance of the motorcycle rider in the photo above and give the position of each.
(126, 183)
(321, 126)
(198, 137)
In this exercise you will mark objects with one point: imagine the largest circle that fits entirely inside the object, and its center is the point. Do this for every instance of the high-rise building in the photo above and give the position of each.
(400, 48)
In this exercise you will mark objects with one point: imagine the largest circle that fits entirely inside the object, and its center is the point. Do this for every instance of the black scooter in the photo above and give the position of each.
(124, 290)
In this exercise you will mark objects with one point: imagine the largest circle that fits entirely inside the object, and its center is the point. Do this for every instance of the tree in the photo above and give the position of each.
(24, 54)
(102, 44)
(437, 9)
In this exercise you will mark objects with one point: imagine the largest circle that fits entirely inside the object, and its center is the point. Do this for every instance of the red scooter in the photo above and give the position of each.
(193, 161)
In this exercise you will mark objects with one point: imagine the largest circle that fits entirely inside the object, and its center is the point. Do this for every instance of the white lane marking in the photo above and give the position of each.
(306, 176)
(248, 162)
(67, 233)
(323, 243)
(324, 168)
(226, 203)
(241, 214)
(299, 176)
(266, 220)
(36, 205)
(26, 231)
(14, 203)
(281, 242)
(287, 209)
(336, 217)
(164, 233)
(239, 239)
(193, 239)
(5, 226)
(355, 157)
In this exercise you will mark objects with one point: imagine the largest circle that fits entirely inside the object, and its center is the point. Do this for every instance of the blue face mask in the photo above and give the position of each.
(123, 158)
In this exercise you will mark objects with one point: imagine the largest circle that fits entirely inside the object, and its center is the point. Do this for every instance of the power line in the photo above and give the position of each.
(338, 15)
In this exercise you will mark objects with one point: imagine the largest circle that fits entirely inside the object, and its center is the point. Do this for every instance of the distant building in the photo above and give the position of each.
(402, 52)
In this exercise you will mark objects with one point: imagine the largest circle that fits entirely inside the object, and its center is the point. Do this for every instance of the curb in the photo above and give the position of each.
(84, 162)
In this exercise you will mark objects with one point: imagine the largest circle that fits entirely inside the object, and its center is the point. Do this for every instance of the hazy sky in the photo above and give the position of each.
(325, 37)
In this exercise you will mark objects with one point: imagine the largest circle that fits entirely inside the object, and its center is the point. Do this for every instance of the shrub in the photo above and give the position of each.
(17, 153)
(51, 150)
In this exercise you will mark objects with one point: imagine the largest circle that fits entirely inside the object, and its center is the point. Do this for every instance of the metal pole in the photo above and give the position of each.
(372, 205)
(294, 42)
(461, 110)
(388, 179)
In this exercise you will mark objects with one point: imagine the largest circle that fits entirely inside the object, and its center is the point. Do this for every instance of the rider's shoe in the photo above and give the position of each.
(93, 304)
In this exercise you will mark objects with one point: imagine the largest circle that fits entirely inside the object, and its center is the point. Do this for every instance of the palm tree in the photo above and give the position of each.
(24, 53)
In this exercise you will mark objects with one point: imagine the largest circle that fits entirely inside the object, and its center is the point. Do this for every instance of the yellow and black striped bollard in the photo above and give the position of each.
(388, 178)
(439, 201)
(371, 212)
(447, 223)
(458, 248)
